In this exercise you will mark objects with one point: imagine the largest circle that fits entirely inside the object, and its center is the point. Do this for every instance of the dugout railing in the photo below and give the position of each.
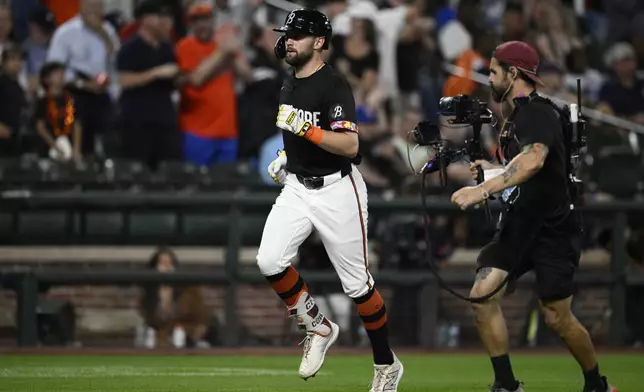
(26, 281)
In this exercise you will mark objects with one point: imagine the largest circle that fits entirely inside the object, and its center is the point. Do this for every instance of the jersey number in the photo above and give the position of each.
(290, 18)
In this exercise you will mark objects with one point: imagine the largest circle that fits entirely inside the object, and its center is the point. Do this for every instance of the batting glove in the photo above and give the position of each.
(288, 120)
(277, 168)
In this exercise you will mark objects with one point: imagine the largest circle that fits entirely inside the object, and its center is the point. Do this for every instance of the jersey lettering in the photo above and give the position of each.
(311, 117)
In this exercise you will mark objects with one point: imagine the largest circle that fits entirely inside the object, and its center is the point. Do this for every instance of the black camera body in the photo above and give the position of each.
(461, 110)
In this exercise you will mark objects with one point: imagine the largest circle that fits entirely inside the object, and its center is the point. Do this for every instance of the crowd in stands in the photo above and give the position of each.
(196, 80)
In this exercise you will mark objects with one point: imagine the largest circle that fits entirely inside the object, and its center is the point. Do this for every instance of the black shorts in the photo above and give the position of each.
(523, 243)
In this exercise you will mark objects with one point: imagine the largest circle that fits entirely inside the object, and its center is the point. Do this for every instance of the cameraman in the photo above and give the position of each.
(537, 229)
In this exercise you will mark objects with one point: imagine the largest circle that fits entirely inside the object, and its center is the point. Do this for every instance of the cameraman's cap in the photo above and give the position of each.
(521, 55)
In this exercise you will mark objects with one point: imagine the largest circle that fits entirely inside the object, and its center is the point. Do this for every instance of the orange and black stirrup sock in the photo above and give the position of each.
(374, 318)
(288, 284)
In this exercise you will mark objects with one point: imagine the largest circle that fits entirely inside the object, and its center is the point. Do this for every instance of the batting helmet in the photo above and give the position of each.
(303, 22)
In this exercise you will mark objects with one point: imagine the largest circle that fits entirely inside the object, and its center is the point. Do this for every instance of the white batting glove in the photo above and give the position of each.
(288, 120)
(277, 168)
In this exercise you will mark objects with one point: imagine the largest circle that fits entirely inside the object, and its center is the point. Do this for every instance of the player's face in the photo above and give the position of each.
(299, 49)
(499, 80)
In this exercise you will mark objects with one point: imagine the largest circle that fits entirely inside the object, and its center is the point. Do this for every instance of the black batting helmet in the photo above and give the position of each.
(303, 21)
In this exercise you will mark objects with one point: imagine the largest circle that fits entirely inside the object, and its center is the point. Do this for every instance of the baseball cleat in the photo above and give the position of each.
(315, 348)
(387, 377)
(498, 388)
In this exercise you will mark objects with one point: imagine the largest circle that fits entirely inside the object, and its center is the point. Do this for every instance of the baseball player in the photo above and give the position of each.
(323, 189)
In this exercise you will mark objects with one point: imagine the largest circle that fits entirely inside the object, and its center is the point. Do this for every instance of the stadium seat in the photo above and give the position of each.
(630, 180)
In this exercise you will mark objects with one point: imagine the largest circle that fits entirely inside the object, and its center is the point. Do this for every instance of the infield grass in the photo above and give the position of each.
(427, 373)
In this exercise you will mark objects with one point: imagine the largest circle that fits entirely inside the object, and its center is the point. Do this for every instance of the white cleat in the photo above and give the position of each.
(315, 348)
(387, 377)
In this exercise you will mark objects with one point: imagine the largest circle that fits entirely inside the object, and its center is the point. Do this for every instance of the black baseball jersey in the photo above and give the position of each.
(326, 100)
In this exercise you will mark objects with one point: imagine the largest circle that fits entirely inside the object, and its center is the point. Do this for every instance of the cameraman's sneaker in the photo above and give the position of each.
(498, 388)
(320, 334)
(387, 377)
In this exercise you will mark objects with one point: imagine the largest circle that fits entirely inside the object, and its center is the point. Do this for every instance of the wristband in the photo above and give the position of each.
(314, 135)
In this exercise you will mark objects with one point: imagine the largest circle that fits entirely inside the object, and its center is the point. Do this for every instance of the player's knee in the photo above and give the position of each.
(271, 264)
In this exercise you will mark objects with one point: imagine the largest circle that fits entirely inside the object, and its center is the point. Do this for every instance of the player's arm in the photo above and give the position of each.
(342, 138)
(535, 129)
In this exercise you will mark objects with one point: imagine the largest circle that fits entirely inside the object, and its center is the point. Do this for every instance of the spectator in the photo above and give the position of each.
(86, 44)
(456, 35)
(553, 78)
(63, 10)
(556, 37)
(147, 67)
(41, 27)
(172, 312)
(258, 103)
(514, 27)
(6, 26)
(356, 57)
(13, 99)
(623, 95)
(471, 60)
(591, 79)
(55, 117)
(208, 114)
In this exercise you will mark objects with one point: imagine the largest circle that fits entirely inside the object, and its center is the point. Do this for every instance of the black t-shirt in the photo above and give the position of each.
(357, 66)
(326, 100)
(546, 193)
(13, 101)
(624, 101)
(152, 103)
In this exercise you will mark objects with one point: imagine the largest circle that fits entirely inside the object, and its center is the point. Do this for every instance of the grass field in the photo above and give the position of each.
(423, 372)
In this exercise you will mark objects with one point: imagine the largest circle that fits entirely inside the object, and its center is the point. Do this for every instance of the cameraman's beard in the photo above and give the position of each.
(499, 93)
(298, 59)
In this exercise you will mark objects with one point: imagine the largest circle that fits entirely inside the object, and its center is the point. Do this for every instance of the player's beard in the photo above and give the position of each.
(298, 59)
(498, 92)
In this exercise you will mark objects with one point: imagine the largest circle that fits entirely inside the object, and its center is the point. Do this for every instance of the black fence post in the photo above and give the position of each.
(618, 291)
(235, 232)
(429, 300)
(27, 293)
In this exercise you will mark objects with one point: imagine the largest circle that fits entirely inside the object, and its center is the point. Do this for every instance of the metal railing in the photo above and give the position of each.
(26, 281)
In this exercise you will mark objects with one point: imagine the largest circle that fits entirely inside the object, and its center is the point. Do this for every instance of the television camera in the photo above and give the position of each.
(461, 110)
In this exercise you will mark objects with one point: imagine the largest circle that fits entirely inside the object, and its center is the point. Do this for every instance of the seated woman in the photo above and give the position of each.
(172, 314)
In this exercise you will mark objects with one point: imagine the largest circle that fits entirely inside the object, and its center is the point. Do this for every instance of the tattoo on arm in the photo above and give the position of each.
(510, 172)
(539, 149)
(483, 273)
